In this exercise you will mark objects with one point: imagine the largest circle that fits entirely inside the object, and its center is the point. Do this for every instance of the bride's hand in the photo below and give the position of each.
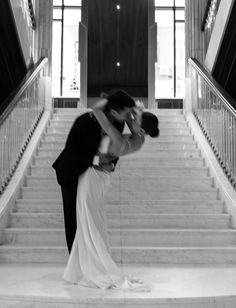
(133, 125)
(134, 121)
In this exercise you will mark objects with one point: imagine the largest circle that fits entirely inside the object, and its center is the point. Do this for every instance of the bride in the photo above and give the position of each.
(90, 263)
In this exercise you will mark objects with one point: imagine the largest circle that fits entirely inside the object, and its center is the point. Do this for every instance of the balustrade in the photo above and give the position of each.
(18, 121)
(216, 116)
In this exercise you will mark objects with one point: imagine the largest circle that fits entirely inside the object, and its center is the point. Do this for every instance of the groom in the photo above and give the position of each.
(81, 147)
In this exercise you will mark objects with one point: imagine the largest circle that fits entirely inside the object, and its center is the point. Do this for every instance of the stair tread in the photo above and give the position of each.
(159, 167)
(18, 247)
(228, 230)
(130, 214)
(55, 188)
(188, 177)
(143, 150)
(160, 142)
(180, 202)
(140, 158)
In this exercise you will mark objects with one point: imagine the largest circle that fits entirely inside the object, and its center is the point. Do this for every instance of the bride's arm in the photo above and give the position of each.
(108, 127)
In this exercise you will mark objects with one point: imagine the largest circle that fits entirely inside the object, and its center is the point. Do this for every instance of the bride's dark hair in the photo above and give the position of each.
(150, 124)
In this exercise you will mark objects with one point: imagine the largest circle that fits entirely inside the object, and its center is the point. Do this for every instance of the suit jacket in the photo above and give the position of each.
(82, 144)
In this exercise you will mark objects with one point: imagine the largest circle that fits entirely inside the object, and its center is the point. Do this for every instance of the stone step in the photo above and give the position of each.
(126, 237)
(135, 173)
(156, 207)
(124, 255)
(162, 140)
(165, 111)
(127, 220)
(163, 125)
(138, 162)
(163, 184)
(165, 130)
(74, 110)
(162, 111)
(147, 184)
(65, 126)
(150, 148)
(145, 155)
(167, 138)
(52, 193)
(161, 117)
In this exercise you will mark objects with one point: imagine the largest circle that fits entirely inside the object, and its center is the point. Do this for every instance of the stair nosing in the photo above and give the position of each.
(39, 248)
(129, 214)
(182, 230)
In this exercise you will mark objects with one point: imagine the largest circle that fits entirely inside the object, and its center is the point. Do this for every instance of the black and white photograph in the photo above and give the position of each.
(117, 154)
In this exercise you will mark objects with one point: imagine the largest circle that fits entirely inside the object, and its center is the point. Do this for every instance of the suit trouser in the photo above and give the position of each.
(69, 205)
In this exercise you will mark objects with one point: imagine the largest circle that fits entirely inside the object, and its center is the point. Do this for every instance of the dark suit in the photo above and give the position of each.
(81, 146)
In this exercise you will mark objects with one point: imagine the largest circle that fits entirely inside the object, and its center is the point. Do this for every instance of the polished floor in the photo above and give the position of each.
(171, 286)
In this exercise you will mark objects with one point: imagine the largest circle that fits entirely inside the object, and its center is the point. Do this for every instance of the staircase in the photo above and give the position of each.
(162, 205)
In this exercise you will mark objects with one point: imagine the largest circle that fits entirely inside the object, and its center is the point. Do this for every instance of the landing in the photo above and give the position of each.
(41, 286)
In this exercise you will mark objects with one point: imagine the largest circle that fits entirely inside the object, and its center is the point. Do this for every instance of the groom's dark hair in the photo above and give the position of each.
(118, 100)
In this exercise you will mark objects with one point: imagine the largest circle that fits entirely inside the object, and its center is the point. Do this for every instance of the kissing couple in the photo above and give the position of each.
(84, 169)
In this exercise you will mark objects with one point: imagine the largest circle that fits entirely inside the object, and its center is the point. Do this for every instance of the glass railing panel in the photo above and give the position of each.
(217, 118)
(18, 122)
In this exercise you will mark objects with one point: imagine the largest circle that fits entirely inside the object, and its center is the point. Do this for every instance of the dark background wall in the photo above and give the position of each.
(12, 63)
(118, 36)
(225, 68)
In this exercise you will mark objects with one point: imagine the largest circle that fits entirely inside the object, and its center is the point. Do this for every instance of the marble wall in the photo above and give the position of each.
(25, 32)
(195, 43)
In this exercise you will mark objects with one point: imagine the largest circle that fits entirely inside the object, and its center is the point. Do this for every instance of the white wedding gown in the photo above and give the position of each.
(90, 263)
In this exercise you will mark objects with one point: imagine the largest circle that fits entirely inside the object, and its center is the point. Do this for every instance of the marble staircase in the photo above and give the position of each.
(162, 205)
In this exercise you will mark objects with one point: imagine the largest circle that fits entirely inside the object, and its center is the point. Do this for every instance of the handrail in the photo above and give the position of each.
(214, 111)
(10, 102)
(214, 85)
(23, 110)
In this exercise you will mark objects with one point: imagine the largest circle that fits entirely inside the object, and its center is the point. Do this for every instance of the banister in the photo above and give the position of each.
(10, 102)
(18, 121)
(214, 110)
(214, 85)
